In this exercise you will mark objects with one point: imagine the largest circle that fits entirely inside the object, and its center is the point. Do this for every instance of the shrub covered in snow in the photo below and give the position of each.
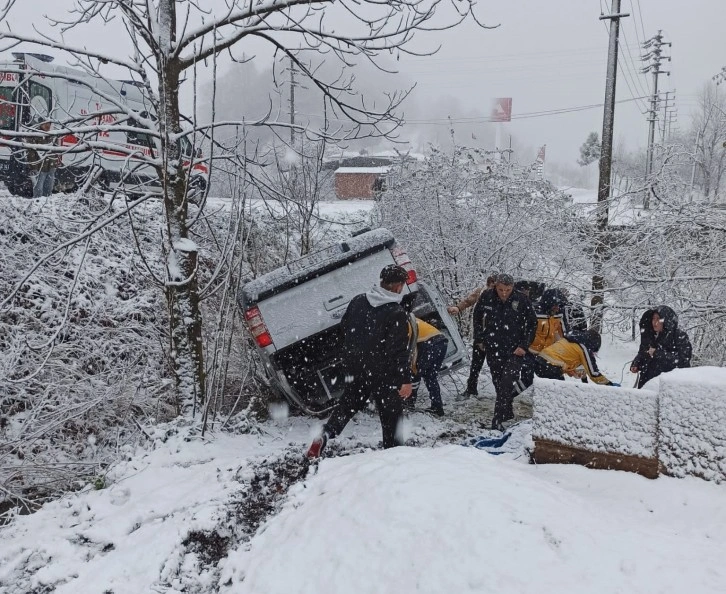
(84, 332)
(81, 347)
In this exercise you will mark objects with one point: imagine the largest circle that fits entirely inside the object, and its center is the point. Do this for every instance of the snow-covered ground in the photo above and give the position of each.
(216, 515)
(626, 210)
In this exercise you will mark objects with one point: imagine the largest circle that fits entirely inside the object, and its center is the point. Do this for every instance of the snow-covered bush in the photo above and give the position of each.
(84, 332)
(81, 339)
(461, 222)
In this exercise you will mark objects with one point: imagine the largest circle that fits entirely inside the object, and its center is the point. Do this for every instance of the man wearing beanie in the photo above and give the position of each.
(376, 359)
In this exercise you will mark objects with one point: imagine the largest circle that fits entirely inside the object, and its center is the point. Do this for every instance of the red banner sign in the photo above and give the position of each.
(502, 110)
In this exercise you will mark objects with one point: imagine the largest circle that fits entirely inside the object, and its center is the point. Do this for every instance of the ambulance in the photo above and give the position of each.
(33, 89)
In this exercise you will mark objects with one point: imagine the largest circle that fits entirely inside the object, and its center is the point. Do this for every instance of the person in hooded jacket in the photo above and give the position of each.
(377, 347)
(663, 345)
(504, 325)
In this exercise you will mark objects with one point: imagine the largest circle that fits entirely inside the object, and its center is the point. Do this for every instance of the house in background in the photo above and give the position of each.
(361, 183)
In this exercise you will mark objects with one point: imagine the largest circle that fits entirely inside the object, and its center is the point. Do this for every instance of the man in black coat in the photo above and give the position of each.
(505, 324)
(663, 345)
(377, 347)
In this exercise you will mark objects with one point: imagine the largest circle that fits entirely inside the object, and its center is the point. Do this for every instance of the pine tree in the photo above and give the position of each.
(590, 150)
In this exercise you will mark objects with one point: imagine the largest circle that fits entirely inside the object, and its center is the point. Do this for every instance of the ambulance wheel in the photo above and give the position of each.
(23, 190)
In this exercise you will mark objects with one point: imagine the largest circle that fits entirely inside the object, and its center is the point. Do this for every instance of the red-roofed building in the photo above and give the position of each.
(361, 183)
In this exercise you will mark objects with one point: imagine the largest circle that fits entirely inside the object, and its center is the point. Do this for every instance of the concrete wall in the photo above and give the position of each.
(676, 428)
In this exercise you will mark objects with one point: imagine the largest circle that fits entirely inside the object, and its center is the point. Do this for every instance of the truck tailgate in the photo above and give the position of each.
(313, 306)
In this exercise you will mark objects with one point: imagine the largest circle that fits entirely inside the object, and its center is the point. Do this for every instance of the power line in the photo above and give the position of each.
(521, 116)
(625, 71)
(641, 84)
(504, 57)
(642, 24)
(637, 37)
(486, 119)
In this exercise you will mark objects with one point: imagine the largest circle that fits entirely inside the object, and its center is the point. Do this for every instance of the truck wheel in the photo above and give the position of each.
(197, 187)
(24, 190)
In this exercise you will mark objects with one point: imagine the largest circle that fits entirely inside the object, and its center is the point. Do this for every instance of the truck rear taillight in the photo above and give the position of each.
(257, 327)
(401, 258)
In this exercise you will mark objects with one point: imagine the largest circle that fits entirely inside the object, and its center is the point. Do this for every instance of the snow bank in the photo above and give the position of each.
(455, 519)
(596, 418)
(693, 422)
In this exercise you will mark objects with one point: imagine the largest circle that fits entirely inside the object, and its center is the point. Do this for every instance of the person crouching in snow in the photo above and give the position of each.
(663, 345)
(376, 359)
(573, 355)
(549, 330)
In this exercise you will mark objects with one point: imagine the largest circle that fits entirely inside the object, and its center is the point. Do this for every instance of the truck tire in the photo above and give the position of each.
(25, 190)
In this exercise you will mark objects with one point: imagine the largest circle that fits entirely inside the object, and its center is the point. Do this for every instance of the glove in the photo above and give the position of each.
(614, 384)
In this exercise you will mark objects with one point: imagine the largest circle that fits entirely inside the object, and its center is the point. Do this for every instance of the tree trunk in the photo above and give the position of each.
(182, 291)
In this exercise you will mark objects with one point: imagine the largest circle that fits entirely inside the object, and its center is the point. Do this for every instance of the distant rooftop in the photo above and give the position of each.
(378, 170)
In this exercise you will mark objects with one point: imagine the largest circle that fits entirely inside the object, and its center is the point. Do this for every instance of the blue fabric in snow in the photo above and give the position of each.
(484, 443)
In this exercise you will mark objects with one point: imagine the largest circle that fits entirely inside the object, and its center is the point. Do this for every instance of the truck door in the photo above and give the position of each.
(430, 306)
(7, 120)
(38, 104)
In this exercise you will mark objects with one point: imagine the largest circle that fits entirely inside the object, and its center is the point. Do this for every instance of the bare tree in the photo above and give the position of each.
(294, 188)
(709, 135)
(171, 37)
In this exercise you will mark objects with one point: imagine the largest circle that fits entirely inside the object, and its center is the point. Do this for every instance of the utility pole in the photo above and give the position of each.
(693, 169)
(606, 163)
(653, 45)
(669, 107)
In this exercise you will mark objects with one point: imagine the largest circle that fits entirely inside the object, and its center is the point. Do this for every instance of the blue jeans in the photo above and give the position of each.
(43, 182)
(431, 354)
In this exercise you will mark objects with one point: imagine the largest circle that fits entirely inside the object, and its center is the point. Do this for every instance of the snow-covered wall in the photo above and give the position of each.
(596, 418)
(692, 437)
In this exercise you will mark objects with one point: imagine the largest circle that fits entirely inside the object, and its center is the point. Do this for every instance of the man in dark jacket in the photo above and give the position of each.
(478, 354)
(505, 324)
(377, 344)
(663, 345)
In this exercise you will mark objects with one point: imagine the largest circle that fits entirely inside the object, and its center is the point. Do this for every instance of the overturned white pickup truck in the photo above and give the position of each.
(294, 314)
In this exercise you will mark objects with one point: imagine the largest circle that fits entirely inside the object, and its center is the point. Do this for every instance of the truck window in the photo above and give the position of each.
(7, 109)
(139, 138)
(187, 149)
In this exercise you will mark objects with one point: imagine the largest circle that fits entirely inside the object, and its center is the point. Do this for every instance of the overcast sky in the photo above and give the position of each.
(552, 55)
(546, 55)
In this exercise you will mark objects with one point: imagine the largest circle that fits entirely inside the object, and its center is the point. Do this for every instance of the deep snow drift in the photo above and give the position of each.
(435, 518)
(454, 519)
